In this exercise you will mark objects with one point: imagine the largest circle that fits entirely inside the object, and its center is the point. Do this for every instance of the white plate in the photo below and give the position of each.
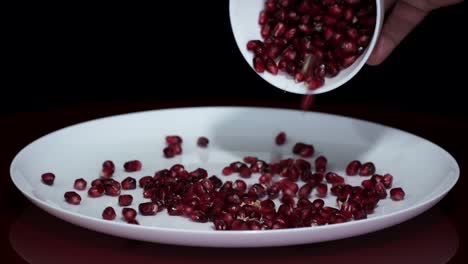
(424, 170)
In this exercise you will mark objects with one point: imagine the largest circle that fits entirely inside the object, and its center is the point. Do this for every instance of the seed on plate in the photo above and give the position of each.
(280, 139)
(132, 166)
(80, 184)
(129, 183)
(397, 194)
(48, 178)
(96, 191)
(125, 199)
(203, 142)
(129, 214)
(108, 213)
(72, 198)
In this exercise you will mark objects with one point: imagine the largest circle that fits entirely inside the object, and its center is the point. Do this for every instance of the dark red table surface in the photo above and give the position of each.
(30, 235)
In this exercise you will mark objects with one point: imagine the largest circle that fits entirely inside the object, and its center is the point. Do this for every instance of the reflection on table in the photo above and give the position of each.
(41, 238)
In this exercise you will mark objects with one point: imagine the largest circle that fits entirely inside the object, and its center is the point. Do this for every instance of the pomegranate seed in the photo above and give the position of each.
(250, 159)
(199, 216)
(148, 208)
(265, 179)
(262, 18)
(125, 200)
(290, 33)
(321, 190)
(108, 169)
(397, 194)
(367, 184)
(80, 184)
(380, 190)
(129, 183)
(352, 33)
(315, 82)
(304, 28)
(173, 139)
(131, 166)
(48, 178)
(266, 30)
(96, 182)
(96, 191)
(72, 198)
(280, 138)
(321, 164)
(273, 191)
(144, 181)
(239, 225)
(367, 169)
(245, 172)
(279, 30)
(305, 191)
(307, 101)
(259, 64)
(353, 168)
(335, 10)
(111, 190)
(363, 40)
(318, 203)
(203, 142)
(348, 61)
(108, 213)
(227, 171)
(215, 181)
(240, 186)
(299, 77)
(387, 180)
(129, 214)
(271, 66)
(220, 225)
(168, 152)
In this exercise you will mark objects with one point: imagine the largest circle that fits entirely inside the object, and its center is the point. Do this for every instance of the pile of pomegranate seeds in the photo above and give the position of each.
(287, 193)
(312, 39)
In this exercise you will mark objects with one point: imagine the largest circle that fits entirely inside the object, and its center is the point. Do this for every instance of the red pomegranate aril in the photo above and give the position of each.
(305, 28)
(331, 69)
(80, 184)
(259, 64)
(265, 179)
(290, 33)
(321, 164)
(315, 82)
(132, 166)
(227, 171)
(299, 77)
(148, 208)
(108, 213)
(346, 62)
(250, 159)
(108, 169)
(144, 181)
(266, 30)
(129, 214)
(169, 152)
(353, 168)
(125, 200)
(258, 190)
(245, 172)
(239, 225)
(253, 44)
(305, 191)
(363, 40)
(273, 191)
(397, 194)
(335, 10)
(111, 190)
(348, 48)
(220, 225)
(376, 178)
(283, 64)
(380, 190)
(96, 182)
(133, 222)
(321, 190)
(271, 66)
(280, 139)
(367, 184)
(367, 169)
(329, 20)
(387, 180)
(254, 225)
(173, 139)
(262, 18)
(215, 181)
(199, 216)
(352, 33)
(279, 30)
(72, 198)
(96, 191)
(48, 178)
(240, 186)
(203, 142)
(129, 183)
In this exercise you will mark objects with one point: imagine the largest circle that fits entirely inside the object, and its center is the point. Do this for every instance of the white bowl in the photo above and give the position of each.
(244, 22)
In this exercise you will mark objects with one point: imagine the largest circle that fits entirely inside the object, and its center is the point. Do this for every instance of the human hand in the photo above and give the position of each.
(404, 17)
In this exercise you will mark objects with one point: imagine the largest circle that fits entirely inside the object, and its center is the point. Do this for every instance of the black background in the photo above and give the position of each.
(185, 50)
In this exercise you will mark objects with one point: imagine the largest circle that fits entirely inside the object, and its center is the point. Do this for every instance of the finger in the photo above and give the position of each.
(401, 21)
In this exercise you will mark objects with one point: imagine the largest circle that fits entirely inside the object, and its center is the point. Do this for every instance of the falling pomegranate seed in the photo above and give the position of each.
(125, 200)
(129, 214)
(148, 208)
(108, 213)
(306, 102)
(80, 184)
(72, 198)
(48, 178)
(203, 142)
(131, 166)
(397, 194)
(367, 169)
